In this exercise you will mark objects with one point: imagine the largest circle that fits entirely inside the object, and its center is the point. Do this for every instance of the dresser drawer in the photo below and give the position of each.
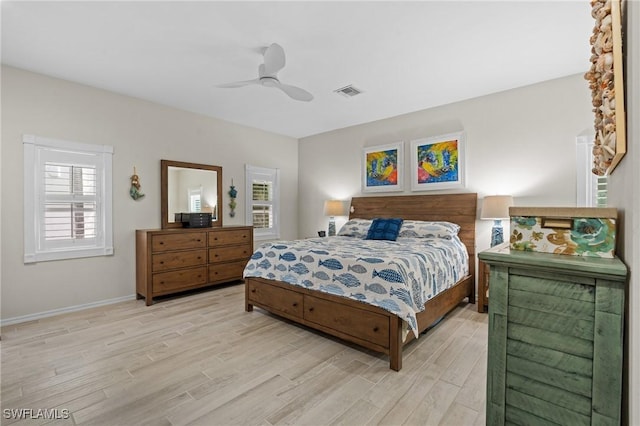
(165, 242)
(355, 322)
(180, 259)
(183, 279)
(224, 254)
(228, 236)
(279, 299)
(226, 271)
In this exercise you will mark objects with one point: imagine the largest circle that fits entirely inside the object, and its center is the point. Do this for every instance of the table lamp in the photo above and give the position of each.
(496, 207)
(333, 208)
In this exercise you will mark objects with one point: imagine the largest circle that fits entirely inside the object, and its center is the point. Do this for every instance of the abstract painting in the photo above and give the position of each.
(437, 162)
(382, 168)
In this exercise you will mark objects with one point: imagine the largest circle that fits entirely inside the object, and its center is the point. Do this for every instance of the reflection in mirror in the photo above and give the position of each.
(190, 188)
(191, 191)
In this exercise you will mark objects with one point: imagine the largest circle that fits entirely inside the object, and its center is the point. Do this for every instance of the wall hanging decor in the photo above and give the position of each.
(134, 190)
(437, 162)
(233, 194)
(606, 82)
(382, 168)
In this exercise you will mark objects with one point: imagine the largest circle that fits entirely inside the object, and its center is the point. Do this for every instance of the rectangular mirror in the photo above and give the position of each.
(190, 188)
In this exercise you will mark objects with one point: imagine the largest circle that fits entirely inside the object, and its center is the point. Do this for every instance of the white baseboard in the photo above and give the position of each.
(40, 315)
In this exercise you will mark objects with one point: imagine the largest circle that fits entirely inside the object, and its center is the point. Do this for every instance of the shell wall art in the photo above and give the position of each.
(607, 86)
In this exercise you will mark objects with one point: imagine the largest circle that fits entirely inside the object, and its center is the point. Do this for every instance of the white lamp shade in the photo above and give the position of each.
(335, 208)
(496, 207)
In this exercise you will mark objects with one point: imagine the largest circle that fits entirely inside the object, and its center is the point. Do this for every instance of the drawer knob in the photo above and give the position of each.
(311, 309)
(161, 243)
(162, 262)
(295, 304)
(375, 329)
(253, 290)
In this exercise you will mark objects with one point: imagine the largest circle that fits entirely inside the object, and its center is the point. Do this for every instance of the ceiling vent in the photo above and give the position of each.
(348, 91)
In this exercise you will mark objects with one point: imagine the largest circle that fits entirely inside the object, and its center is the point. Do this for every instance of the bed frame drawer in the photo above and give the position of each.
(352, 321)
(284, 302)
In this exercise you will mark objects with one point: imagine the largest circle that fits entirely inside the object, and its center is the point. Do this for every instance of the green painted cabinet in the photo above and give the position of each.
(555, 338)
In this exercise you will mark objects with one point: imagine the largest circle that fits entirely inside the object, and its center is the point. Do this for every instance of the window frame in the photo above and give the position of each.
(267, 174)
(591, 190)
(37, 152)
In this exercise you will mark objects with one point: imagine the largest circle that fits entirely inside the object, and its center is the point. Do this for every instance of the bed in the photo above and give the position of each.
(373, 324)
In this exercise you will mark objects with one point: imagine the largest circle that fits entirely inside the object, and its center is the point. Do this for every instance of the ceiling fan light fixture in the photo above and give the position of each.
(274, 61)
(269, 81)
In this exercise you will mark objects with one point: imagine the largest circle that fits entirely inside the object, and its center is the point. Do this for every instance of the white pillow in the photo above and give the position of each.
(357, 228)
(424, 229)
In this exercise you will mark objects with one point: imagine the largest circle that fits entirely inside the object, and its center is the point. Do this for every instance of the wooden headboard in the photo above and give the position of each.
(456, 208)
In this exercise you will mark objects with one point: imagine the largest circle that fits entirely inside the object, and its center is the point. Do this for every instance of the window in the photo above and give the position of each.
(263, 200)
(67, 199)
(194, 200)
(591, 189)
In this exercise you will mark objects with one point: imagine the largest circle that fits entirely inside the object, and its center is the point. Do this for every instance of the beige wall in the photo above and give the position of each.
(519, 142)
(142, 133)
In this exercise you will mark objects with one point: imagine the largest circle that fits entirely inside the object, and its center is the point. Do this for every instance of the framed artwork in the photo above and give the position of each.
(437, 162)
(606, 81)
(382, 168)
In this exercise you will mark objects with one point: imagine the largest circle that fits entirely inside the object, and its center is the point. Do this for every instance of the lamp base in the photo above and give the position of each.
(332, 227)
(497, 236)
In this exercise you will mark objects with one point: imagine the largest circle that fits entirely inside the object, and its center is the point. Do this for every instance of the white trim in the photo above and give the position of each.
(101, 156)
(272, 175)
(586, 181)
(67, 145)
(68, 309)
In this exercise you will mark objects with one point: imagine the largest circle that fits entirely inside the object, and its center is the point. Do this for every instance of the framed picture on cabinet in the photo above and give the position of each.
(382, 168)
(438, 162)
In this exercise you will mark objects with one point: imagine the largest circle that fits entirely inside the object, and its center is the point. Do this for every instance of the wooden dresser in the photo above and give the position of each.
(174, 260)
(555, 338)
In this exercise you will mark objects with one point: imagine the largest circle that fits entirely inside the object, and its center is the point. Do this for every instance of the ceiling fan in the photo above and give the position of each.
(274, 61)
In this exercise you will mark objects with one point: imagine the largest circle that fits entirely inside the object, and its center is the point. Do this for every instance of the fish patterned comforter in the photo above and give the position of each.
(398, 276)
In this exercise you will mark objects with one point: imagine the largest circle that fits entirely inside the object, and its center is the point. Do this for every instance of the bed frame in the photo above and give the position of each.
(366, 325)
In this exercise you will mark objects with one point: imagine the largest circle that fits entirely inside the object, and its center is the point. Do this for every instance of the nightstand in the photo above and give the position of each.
(483, 286)
(556, 333)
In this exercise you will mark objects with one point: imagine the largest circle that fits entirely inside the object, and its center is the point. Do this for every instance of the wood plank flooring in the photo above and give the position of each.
(201, 360)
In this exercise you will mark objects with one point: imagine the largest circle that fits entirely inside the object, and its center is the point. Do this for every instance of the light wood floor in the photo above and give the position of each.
(202, 360)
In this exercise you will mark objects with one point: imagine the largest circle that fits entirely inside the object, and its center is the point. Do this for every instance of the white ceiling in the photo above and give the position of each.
(404, 56)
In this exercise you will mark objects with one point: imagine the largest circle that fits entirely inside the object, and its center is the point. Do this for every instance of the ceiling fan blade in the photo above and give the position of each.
(296, 93)
(273, 59)
(239, 83)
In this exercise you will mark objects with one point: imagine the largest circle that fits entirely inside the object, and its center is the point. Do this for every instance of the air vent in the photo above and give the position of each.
(348, 91)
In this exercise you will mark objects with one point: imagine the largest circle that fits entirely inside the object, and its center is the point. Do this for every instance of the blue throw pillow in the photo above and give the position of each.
(384, 229)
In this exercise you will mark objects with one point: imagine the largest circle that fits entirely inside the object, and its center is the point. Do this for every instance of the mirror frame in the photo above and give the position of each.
(164, 195)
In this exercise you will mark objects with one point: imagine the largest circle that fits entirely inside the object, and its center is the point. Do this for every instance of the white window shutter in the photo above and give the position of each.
(67, 196)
